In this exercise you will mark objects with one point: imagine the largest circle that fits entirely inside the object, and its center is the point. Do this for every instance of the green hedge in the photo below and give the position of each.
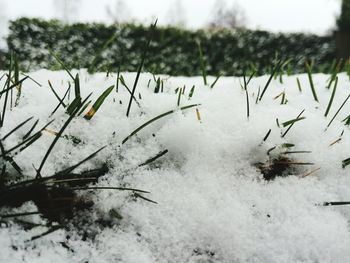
(173, 51)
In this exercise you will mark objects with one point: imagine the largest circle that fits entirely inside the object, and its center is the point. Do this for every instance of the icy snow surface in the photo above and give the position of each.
(213, 203)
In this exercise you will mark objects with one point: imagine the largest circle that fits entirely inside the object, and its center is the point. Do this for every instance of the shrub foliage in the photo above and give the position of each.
(173, 51)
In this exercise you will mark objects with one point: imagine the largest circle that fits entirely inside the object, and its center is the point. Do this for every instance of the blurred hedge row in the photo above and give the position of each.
(173, 51)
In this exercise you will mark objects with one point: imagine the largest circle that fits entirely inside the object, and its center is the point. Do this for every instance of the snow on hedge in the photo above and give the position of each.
(213, 202)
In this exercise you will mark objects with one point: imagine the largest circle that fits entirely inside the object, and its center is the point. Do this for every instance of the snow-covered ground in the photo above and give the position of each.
(213, 203)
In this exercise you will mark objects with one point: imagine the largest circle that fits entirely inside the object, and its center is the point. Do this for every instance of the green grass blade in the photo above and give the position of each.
(153, 159)
(16, 128)
(332, 97)
(257, 97)
(56, 95)
(16, 79)
(346, 162)
(247, 95)
(31, 130)
(335, 115)
(143, 57)
(312, 86)
(202, 63)
(157, 88)
(191, 92)
(299, 85)
(290, 122)
(215, 81)
(117, 81)
(110, 188)
(267, 135)
(4, 91)
(291, 125)
(155, 119)
(72, 168)
(275, 69)
(60, 103)
(62, 64)
(98, 103)
(8, 89)
(122, 81)
(58, 135)
(179, 97)
(77, 86)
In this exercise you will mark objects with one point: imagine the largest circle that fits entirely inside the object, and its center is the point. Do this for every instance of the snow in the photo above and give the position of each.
(213, 203)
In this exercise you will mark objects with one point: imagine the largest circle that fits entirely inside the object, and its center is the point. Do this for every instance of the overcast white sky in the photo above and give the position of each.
(315, 16)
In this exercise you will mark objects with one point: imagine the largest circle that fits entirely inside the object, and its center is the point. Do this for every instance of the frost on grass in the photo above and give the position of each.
(214, 202)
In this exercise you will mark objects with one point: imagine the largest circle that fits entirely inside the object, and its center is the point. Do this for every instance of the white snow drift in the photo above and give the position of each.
(213, 203)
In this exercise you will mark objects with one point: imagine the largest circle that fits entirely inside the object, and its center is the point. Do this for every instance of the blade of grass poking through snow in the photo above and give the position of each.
(153, 159)
(20, 214)
(117, 82)
(16, 76)
(287, 123)
(60, 103)
(155, 119)
(143, 57)
(31, 130)
(5, 90)
(72, 168)
(56, 95)
(347, 120)
(247, 95)
(332, 97)
(122, 81)
(257, 97)
(299, 85)
(6, 94)
(110, 188)
(77, 100)
(202, 63)
(312, 86)
(16, 128)
(275, 69)
(335, 203)
(144, 198)
(334, 71)
(77, 87)
(37, 83)
(335, 115)
(251, 76)
(191, 92)
(59, 134)
(346, 162)
(62, 64)
(283, 100)
(51, 230)
(157, 88)
(9, 159)
(28, 140)
(267, 135)
(291, 125)
(215, 81)
(98, 103)
(179, 97)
